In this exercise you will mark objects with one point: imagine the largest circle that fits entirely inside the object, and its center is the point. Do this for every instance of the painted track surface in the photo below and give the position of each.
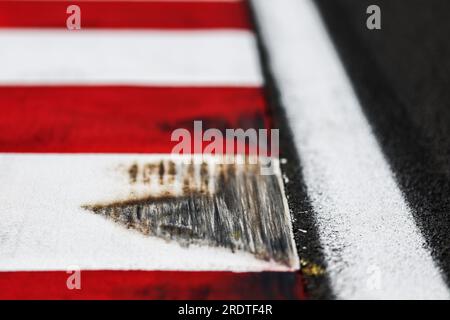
(91, 112)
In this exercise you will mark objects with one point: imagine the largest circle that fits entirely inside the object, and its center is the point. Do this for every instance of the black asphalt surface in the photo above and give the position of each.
(401, 75)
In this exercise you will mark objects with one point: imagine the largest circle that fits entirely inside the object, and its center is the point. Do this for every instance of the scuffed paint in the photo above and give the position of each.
(206, 203)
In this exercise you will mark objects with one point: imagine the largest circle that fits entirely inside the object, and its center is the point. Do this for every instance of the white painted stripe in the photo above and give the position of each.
(44, 227)
(372, 246)
(140, 57)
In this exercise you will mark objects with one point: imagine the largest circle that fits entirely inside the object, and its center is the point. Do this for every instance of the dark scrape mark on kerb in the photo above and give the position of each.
(229, 206)
(132, 171)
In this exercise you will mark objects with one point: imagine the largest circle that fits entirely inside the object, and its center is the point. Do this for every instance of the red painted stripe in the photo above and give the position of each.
(152, 285)
(124, 14)
(101, 119)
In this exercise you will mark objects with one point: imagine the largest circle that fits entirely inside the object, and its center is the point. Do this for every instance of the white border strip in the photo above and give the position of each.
(138, 57)
(372, 246)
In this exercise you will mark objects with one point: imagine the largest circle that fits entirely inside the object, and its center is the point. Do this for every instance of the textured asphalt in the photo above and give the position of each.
(401, 74)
